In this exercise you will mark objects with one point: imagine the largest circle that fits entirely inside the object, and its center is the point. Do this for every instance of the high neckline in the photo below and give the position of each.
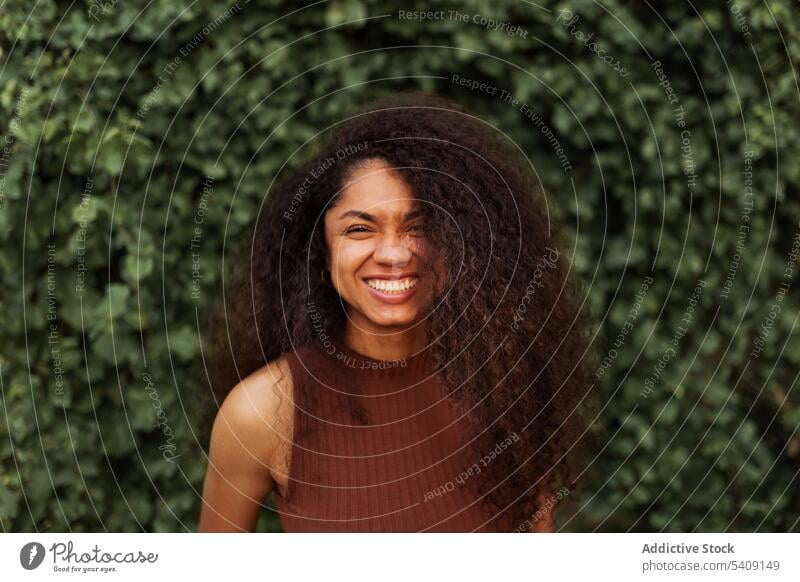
(351, 359)
(356, 354)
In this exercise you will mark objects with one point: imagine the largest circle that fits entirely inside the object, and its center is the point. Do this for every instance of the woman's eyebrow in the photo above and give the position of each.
(369, 217)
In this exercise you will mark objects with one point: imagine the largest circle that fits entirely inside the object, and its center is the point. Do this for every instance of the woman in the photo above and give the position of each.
(410, 341)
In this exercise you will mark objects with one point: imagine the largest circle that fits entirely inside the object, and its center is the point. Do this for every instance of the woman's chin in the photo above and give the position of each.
(382, 314)
(393, 320)
(392, 315)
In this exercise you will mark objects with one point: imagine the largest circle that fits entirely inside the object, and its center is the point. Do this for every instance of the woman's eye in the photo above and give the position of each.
(417, 229)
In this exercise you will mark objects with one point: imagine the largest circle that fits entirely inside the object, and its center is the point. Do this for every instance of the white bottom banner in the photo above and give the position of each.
(396, 557)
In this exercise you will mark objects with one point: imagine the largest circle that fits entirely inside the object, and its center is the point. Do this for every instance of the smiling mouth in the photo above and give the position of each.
(392, 286)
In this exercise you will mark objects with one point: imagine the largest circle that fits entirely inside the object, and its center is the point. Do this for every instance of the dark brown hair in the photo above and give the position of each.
(508, 334)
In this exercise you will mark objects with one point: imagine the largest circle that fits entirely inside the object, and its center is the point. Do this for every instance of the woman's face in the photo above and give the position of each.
(377, 251)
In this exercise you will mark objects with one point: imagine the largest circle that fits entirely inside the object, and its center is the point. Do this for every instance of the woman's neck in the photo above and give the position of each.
(387, 345)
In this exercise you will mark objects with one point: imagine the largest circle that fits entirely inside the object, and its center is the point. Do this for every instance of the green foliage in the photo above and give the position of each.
(114, 115)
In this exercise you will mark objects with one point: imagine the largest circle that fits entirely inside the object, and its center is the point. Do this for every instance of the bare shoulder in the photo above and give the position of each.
(257, 411)
(247, 448)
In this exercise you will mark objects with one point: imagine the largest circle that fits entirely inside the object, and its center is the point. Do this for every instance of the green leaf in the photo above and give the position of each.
(183, 342)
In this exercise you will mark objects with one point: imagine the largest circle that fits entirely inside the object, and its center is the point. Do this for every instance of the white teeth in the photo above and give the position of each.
(392, 286)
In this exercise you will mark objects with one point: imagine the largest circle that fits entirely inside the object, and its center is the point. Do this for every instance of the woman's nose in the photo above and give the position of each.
(393, 250)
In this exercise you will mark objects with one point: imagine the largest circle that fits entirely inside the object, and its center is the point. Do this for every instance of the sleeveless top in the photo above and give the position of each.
(378, 447)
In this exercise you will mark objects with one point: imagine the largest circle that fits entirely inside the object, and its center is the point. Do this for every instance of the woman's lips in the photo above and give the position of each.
(392, 298)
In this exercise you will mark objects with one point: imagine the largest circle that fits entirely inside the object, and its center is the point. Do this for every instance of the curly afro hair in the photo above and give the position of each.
(508, 336)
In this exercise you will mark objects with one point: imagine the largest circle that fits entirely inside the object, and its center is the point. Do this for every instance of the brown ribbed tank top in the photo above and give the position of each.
(377, 447)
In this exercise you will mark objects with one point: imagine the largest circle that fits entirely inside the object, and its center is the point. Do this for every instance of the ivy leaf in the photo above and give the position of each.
(183, 342)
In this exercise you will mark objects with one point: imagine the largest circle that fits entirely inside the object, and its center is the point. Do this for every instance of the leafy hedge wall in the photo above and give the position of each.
(141, 138)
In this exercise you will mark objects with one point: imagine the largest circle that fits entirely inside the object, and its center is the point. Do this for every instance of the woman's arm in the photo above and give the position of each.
(243, 443)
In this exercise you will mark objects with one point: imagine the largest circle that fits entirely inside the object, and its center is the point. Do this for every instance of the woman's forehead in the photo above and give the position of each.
(379, 192)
